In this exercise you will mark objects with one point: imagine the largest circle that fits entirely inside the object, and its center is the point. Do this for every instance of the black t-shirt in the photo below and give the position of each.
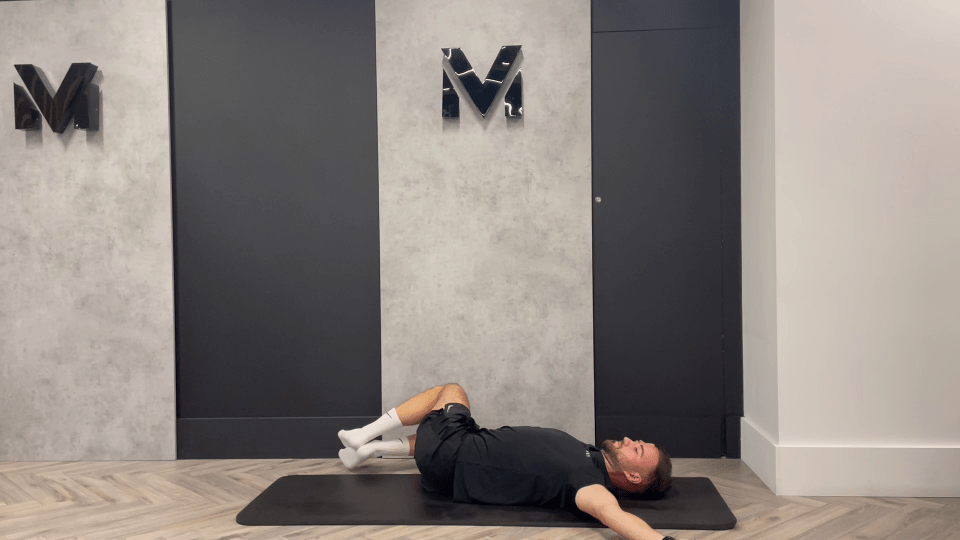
(526, 466)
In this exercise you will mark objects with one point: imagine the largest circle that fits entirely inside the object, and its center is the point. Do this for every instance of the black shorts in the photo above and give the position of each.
(438, 443)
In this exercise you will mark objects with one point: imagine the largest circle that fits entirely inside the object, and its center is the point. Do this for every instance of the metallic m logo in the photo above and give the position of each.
(77, 98)
(483, 94)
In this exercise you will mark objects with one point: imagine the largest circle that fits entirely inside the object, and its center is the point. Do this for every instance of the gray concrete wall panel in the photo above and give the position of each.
(86, 255)
(485, 225)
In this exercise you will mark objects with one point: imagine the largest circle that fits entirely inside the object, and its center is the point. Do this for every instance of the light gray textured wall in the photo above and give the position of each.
(86, 259)
(485, 228)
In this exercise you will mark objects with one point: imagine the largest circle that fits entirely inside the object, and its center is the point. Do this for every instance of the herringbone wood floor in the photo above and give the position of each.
(200, 499)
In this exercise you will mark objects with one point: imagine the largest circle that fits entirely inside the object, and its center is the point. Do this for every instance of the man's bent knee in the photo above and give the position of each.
(453, 393)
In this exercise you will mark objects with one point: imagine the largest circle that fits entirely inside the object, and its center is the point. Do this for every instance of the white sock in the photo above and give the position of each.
(355, 438)
(394, 447)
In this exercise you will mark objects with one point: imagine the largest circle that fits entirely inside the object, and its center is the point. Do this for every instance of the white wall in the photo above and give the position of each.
(86, 249)
(865, 188)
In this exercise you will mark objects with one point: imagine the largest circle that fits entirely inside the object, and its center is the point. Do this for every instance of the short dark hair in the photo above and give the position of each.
(657, 487)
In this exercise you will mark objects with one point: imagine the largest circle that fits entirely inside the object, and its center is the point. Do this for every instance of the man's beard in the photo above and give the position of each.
(608, 450)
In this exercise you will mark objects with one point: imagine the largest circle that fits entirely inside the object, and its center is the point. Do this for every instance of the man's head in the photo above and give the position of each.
(637, 466)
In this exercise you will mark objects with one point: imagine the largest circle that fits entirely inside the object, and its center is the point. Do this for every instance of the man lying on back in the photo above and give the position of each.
(523, 466)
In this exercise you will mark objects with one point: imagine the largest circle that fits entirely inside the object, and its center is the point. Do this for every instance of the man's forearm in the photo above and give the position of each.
(630, 526)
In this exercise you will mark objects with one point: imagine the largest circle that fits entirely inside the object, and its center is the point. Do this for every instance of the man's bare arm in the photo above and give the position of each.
(628, 525)
(597, 501)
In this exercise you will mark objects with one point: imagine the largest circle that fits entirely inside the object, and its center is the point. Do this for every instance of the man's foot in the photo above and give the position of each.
(351, 438)
(350, 458)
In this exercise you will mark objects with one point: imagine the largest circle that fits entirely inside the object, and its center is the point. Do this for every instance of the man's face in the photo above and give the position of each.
(629, 455)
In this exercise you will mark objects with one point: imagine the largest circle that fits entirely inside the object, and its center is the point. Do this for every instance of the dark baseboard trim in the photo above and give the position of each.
(263, 438)
(733, 437)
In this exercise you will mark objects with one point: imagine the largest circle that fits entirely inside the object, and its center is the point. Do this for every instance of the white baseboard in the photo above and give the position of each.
(850, 471)
(759, 452)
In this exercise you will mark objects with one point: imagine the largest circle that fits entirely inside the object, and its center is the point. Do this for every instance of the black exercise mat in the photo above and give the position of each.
(399, 499)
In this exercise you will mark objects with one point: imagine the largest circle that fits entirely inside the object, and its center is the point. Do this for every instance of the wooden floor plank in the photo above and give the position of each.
(191, 499)
(855, 518)
(888, 524)
(951, 531)
(811, 520)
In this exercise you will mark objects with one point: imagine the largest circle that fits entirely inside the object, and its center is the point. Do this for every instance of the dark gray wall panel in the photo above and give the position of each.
(666, 133)
(632, 15)
(657, 236)
(276, 208)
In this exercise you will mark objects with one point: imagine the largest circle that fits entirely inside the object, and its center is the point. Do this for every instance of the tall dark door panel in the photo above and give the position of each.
(658, 231)
(274, 108)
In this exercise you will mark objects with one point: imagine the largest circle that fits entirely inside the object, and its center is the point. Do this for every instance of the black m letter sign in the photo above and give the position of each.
(482, 94)
(76, 98)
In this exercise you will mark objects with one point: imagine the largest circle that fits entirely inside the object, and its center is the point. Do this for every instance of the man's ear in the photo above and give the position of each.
(633, 477)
